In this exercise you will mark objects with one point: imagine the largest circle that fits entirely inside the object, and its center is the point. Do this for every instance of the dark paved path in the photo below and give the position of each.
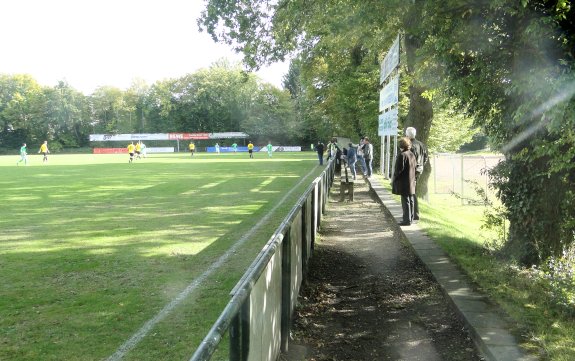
(488, 325)
(369, 296)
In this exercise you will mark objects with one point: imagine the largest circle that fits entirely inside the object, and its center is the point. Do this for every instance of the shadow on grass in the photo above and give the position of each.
(89, 253)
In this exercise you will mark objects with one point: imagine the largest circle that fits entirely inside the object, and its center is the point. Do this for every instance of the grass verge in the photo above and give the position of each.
(523, 294)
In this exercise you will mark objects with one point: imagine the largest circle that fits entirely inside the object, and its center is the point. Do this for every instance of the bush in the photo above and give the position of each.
(557, 274)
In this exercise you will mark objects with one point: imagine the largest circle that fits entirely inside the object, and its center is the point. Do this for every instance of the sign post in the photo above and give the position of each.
(388, 107)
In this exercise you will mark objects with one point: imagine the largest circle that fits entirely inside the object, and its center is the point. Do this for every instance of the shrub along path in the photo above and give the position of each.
(369, 297)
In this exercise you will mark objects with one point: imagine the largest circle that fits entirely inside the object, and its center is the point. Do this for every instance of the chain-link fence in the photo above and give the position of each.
(462, 175)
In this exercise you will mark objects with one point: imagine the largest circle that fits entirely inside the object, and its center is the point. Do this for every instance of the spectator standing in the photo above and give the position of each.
(352, 158)
(360, 157)
(320, 148)
(331, 148)
(419, 150)
(44, 150)
(368, 156)
(403, 180)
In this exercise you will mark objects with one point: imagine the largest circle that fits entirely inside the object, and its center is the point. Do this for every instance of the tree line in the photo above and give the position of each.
(220, 98)
(505, 68)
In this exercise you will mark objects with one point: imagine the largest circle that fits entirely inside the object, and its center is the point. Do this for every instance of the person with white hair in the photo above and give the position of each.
(368, 156)
(419, 150)
(360, 158)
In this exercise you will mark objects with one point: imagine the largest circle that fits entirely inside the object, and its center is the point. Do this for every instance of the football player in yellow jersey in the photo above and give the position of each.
(44, 150)
(192, 147)
(251, 149)
(131, 149)
(138, 150)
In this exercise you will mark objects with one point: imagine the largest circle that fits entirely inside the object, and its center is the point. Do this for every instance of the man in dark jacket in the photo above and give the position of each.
(368, 155)
(403, 181)
(419, 150)
(320, 148)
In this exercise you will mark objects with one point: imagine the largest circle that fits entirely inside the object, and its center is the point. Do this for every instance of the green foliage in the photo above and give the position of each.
(536, 298)
(450, 129)
(336, 64)
(511, 68)
(221, 98)
(558, 274)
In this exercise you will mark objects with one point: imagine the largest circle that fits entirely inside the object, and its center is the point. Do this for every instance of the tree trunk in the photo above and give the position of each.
(420, 114)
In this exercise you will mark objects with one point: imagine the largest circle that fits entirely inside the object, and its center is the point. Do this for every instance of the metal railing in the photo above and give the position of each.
(258, 315)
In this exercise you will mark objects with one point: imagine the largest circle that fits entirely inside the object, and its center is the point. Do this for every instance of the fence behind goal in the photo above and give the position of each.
(462, 175)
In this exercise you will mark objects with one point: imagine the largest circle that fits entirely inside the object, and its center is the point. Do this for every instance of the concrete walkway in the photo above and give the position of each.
(488, 328)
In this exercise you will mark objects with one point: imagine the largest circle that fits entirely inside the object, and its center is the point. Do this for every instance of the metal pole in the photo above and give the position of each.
(452, 174)
(486, 175)
(462, 182)
(304, 239)
(245, 329)
(435, 173)
(235, 334)
(286, 292)
(394, 155)
(382, 156)
(388, 154)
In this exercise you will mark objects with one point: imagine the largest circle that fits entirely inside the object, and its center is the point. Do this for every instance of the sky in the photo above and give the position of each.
(91, 43)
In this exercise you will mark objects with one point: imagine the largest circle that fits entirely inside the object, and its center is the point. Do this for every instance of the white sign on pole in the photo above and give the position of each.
(389, 95)
(390, 62)
(388, 100)
(388, 122)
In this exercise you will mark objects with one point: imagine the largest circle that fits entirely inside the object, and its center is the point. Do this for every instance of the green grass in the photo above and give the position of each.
(525, 297)
(92, 247)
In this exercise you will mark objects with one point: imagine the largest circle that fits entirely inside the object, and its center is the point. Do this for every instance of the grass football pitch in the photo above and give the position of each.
(93, 248)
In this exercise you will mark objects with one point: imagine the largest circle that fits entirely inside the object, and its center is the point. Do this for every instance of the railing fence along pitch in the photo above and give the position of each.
(258, 315)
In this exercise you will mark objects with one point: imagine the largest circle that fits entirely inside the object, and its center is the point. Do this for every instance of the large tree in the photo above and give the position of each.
(507, 65)
(511, 66)
(337, 46)
(20, 108)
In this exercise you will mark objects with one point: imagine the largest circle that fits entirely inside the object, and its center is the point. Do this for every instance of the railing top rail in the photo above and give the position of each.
(244, 286)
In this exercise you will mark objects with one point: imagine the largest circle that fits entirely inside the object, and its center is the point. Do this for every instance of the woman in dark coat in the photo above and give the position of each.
(403, 181)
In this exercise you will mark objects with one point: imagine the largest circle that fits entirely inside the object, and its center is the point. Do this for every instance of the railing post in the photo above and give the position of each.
(325, 192)
(304, 238)
(286, 291)
(320, 200)
(240, 334)
(235, 339)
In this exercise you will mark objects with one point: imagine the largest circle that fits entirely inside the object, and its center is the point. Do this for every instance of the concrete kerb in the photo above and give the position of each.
(486, 322)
